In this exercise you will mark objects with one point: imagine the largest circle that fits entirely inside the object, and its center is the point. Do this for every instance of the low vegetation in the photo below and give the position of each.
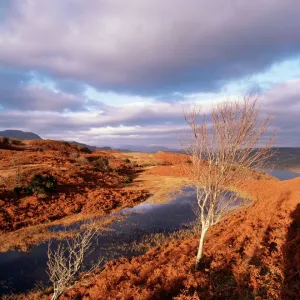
(154, 240)
(10, 141)
(74, 184)
(40, 185)
(127, 161)
(101, 164)
(250, 254)
(82, 160)
(127, 180)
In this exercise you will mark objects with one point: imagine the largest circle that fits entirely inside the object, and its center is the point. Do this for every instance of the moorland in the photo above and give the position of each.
(251, 254)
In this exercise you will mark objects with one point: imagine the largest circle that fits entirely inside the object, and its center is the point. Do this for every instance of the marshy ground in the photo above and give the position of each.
(251, 254)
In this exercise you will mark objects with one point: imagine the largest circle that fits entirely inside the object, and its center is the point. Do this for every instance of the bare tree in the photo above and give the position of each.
(66, 261)
(221, 147)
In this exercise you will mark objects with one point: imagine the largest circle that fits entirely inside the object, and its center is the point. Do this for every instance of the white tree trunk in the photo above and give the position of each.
(201, 244)
(54, 296)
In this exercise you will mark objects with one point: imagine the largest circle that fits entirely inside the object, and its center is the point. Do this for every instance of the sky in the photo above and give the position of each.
(114, 73)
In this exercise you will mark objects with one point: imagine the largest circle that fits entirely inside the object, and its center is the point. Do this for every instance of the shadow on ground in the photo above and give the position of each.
(291, 253)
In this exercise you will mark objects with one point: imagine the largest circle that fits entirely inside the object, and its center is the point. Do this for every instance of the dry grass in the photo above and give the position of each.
(142, 159)
(162, 188)
(167, 267)
(159, 239)
(25, 238)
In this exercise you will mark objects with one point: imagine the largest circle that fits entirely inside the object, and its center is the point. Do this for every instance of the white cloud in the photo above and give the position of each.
(146, 123)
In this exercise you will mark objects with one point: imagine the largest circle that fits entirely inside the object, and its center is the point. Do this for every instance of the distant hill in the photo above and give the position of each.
(21, 135)
(123, 150)
(150, 149)
(129, 148)
(93, 148)
(287, 158)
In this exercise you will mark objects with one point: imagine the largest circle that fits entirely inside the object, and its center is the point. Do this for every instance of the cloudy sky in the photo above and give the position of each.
(111, 72)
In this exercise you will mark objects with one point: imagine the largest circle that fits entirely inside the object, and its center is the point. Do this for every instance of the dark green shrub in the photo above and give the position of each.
(21, 190)
(127, 160)
(134, 165)
(127, 179)
(118, 170)
(39, 185)
(101, 164)
(4, 140)
(44, 185)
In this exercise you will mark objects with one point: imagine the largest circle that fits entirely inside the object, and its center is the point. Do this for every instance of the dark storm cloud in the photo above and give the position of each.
(151, 46)
(42, 110)
(50, 51)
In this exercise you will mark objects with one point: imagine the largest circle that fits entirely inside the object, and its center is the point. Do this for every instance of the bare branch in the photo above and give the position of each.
(65, 262)
(220, 146)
